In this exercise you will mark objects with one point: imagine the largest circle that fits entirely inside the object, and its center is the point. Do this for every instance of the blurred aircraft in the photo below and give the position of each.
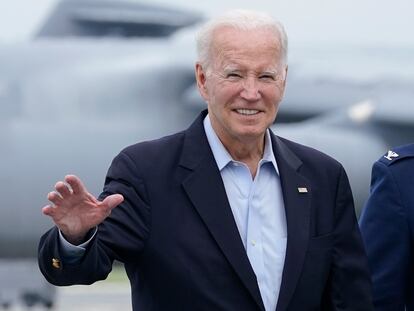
(103, 74)
(69, 101)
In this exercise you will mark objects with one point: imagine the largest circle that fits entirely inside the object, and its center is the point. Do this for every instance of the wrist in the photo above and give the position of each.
(74, 239)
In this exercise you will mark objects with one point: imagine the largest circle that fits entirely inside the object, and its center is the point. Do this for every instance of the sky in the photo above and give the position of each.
(369, 22)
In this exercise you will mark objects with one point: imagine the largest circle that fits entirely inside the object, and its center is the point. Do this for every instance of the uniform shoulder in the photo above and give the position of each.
(397, 154)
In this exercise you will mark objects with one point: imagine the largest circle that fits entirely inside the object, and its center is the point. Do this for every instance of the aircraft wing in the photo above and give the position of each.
(115, 18)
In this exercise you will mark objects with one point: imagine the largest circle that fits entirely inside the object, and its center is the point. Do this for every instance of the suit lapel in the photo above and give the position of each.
(297, 207)
(205, 188)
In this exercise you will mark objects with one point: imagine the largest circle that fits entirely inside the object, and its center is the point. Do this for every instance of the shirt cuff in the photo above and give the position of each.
(70, 251)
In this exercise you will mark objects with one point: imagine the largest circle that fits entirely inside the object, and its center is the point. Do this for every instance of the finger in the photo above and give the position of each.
(112, 201)
(76, 184)
(54, 197)
(63, 189)
(48, 210)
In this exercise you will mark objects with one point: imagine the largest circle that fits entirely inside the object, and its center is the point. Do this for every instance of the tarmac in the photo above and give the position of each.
(102, 296)
(17, 278)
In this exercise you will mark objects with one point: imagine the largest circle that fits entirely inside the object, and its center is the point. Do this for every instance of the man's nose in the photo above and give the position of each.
(250, 90)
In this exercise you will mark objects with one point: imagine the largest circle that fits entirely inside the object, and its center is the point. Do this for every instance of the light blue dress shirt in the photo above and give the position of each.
(259, 213)
(258, 210)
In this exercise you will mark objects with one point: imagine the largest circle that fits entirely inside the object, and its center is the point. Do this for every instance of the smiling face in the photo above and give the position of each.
(243, 84)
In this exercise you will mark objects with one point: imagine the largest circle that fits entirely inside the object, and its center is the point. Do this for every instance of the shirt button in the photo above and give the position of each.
(253, 242)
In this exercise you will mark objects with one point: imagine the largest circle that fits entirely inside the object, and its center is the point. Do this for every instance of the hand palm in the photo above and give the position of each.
(75, 211)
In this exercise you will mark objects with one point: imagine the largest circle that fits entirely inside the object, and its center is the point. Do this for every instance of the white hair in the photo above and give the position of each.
(243, 20)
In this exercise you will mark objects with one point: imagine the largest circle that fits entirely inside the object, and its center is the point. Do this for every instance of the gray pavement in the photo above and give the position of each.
(22, 277)
(102, 296)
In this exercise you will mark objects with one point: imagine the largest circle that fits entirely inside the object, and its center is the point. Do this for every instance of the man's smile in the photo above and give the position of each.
(247, 112)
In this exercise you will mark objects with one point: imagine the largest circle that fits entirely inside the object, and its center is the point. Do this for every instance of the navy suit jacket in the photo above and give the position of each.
(387, 226)
(177, 237)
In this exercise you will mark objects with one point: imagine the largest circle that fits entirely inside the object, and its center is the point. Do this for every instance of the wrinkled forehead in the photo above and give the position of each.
(232, 45)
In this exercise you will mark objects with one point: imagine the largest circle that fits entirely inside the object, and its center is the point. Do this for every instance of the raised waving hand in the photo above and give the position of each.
(75, 211)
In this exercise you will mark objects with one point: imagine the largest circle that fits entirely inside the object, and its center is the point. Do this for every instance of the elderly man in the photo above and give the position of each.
(387, 227)
(224, 215)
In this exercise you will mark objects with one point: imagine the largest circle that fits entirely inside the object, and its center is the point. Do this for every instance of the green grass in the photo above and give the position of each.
(118, 274)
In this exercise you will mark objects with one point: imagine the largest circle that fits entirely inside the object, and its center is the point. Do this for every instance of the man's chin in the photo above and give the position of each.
(250, 133)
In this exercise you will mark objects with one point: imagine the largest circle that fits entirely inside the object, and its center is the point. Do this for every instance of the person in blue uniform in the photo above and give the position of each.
(387, 224)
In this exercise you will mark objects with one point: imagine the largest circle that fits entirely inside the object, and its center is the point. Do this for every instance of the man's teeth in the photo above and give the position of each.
(247, 112)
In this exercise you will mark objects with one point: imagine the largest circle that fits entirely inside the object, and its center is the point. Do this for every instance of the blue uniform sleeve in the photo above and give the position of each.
(385, 232)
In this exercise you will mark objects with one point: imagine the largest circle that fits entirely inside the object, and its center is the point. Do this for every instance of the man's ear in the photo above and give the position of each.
(285, 74)
(284, 80)
(201, 78)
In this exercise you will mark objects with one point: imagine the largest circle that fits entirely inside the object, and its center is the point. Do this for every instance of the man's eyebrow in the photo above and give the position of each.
(230, 68)
(267, 71)
(270, 72)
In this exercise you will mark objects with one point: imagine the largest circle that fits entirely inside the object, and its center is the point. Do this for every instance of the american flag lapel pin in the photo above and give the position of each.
(302, 190)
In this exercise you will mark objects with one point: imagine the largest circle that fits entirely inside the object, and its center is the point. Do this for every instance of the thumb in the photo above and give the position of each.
(113, 200)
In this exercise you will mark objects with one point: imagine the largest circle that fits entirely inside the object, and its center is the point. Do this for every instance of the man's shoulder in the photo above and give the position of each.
(170, 145)
(401, 155)
(307, 153)
(156, 148)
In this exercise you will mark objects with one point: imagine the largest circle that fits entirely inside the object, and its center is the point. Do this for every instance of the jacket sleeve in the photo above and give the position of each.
(386, 235)
(350, 286)
(121, 236)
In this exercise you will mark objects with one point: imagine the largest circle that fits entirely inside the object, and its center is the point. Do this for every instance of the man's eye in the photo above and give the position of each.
(233, 75)
(267, 78)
